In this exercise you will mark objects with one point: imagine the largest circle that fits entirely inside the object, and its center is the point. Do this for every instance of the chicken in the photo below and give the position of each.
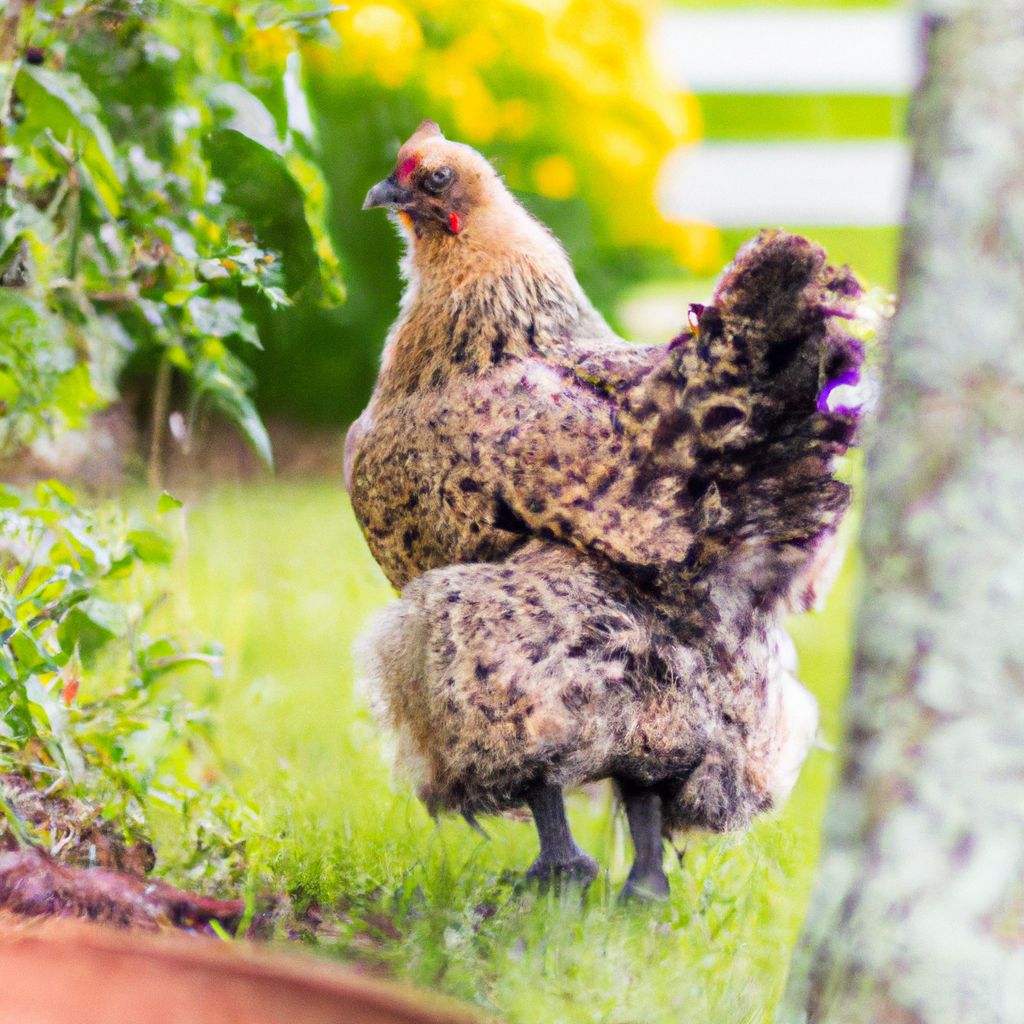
(597, 539)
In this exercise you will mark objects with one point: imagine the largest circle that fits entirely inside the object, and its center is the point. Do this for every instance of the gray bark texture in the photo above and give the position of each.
(918, 917)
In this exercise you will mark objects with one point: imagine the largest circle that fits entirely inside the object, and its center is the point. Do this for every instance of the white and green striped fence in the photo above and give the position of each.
(803, 114)
(804, 128)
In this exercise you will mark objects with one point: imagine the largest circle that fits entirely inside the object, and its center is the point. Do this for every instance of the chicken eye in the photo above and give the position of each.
(438, 180)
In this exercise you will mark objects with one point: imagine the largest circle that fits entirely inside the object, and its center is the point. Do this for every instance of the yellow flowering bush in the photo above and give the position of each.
(563, 92)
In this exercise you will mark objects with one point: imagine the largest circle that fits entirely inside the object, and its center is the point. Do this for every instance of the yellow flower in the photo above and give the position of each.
(571, 79)
(267, 49)
(549, 8)
(380, 39)
(697, 244)
(555, 177)
(475, 49)
(625, 149)
(516, 118)
(474, 108)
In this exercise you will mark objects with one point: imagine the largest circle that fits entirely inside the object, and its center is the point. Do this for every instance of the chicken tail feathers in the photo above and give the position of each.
(750, 408)
(781, 319)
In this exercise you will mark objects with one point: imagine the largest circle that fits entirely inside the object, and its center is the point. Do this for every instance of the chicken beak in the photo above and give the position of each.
(386, 193)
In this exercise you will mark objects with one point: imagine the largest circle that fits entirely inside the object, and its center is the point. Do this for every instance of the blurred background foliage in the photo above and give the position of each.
(159, 204)
(167, 178)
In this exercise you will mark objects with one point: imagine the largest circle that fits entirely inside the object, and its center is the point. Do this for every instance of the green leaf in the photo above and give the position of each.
(227, 393)
(75, 397)
(15, 714)
(167, 502)
(8, 669)
(258, 181)
(121, 566)
(87, 548)
(22, 220)
(90, 625)
(151, 546)
(9, 389)
(179, 296)
(238, 109)
(162, 648)
(60, 102)
(34, 353)
(220, 318)
(27, 650)
(248, 333)
(58, 490)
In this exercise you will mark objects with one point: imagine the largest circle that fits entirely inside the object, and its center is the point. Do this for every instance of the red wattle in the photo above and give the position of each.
(454, 222)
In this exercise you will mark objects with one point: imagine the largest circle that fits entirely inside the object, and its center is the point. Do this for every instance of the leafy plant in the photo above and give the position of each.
(80, 668)
(159, 204)
(158, 199)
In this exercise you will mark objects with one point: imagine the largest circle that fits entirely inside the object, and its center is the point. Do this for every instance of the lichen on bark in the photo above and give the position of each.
(918, 917)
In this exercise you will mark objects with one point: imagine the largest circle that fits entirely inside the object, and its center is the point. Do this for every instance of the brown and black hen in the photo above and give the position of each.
(597, 540)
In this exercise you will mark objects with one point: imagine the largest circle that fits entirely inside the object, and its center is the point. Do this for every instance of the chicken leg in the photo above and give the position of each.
(560, 857)
(643, 811)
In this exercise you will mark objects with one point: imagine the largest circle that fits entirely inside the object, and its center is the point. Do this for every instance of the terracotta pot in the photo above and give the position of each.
(71, 972)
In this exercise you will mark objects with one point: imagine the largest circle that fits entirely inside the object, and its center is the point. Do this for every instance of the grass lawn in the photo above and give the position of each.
(279, 573)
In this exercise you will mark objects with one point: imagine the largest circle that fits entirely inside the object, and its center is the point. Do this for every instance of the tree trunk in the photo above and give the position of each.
(919, 913)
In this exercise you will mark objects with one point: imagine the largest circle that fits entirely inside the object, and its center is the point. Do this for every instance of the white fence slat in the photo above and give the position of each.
(789, 51)
(746, 184)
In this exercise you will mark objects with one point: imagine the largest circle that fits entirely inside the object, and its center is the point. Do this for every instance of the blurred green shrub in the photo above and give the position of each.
(159, 201)
(163, 182)
(562, 94)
